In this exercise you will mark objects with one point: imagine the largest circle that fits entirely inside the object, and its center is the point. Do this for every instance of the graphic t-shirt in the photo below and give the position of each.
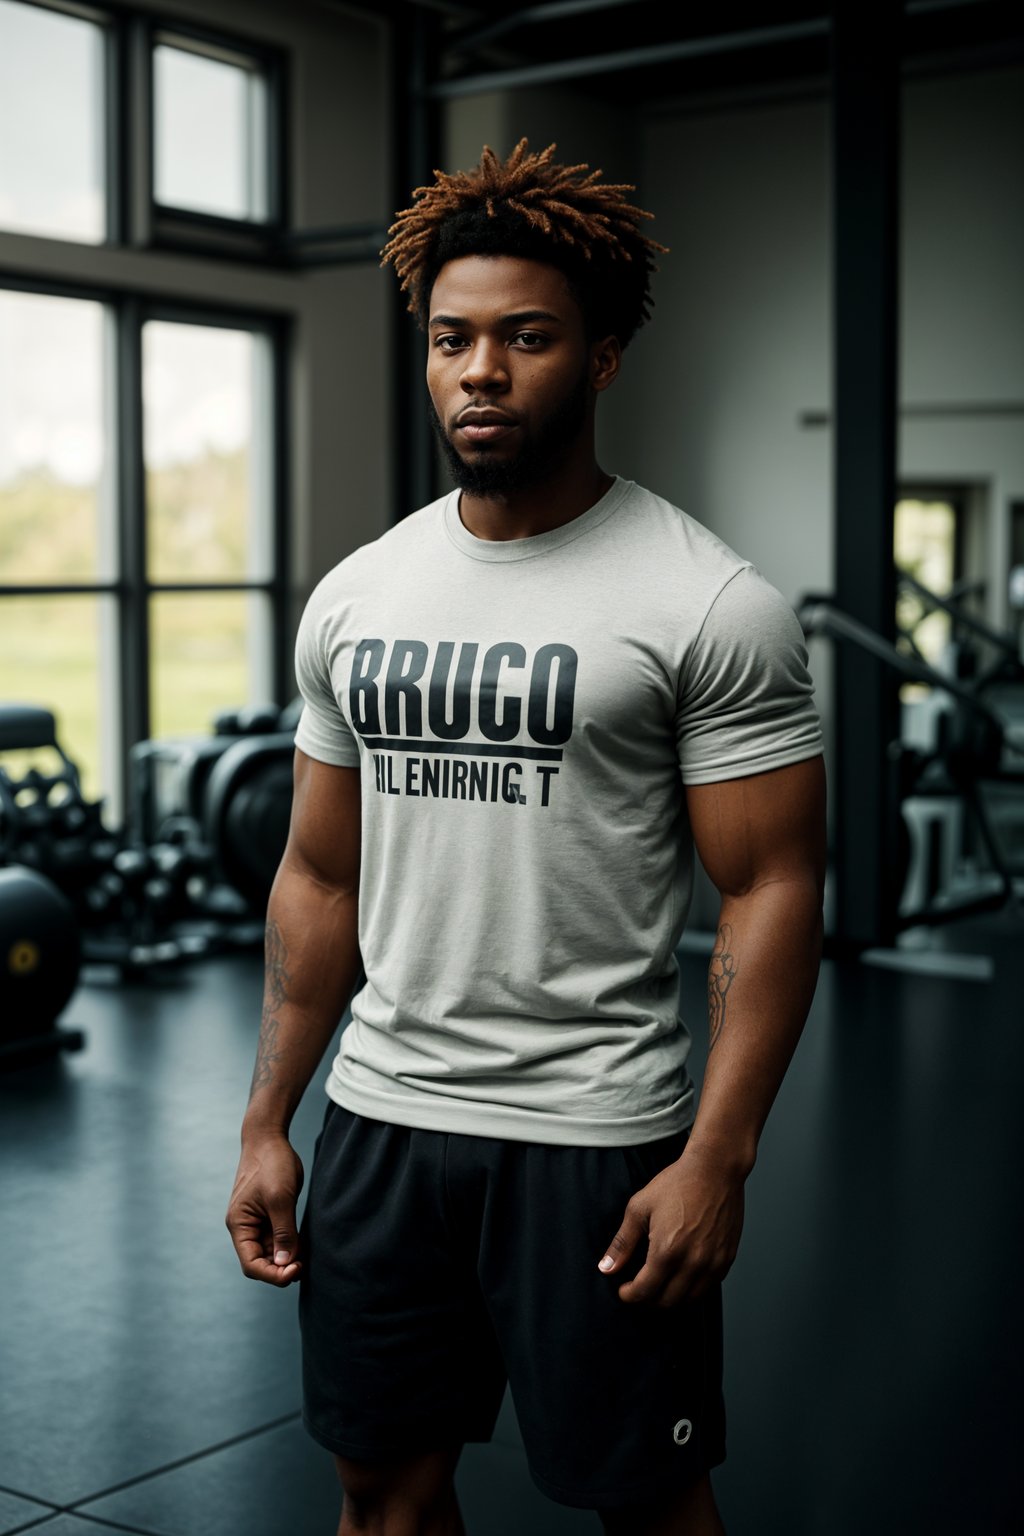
(525, 715)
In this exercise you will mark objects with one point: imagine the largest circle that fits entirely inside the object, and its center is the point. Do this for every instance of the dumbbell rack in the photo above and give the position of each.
(24, 1049)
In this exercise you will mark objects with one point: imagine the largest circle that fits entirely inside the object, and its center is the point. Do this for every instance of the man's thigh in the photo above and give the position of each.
(398, 1354)
(618, 1404)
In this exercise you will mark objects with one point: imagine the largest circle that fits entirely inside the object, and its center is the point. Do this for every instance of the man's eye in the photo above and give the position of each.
(449, 343)
(530, 339)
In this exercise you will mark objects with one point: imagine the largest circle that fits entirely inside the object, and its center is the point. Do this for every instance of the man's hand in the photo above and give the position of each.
(261, 1215)
(692, 1216)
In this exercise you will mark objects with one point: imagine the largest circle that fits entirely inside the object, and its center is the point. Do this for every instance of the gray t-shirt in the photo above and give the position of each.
(525, 714)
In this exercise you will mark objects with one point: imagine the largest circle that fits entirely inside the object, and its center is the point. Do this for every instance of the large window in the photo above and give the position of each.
(141, 553)
(927, 547)
(187, 574)
(52, 142)
(209, 529)
(210, 132)
(57, 526)
(198, 136)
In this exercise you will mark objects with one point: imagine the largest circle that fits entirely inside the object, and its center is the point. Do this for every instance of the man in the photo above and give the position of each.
(523, 706)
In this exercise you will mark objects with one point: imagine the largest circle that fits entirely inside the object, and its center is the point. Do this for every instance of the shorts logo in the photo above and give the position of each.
(682, 1432)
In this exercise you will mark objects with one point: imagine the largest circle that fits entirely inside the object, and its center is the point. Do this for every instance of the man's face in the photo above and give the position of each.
(509, 371)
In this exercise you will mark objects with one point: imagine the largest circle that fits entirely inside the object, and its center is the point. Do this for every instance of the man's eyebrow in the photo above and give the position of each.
(521, 317)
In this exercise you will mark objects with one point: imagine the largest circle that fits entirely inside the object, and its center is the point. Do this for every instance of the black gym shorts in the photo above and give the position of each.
(438, 1265)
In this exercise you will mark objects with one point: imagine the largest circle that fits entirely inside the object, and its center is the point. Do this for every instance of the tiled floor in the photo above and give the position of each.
(873, 1324)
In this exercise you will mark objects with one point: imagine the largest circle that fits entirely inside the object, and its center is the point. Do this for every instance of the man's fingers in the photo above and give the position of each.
(284, 1237)
(646, 1286)
(257, 1266)
(625, 1240)
(271, 1273)
(267, 1249)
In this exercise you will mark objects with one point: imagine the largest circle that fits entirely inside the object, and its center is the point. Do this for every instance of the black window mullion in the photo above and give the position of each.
(133, 615)
(281, 666)
(117, 128)
(278, 145)
(199, 587)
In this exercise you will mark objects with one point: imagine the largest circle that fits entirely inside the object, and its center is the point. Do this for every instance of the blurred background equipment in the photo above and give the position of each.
(39, 964)
(958, 764)
(190, 872)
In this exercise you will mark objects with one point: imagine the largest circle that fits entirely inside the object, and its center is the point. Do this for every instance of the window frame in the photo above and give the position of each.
(131, 588)
(168, 228)
(134, 217)
(956, 495)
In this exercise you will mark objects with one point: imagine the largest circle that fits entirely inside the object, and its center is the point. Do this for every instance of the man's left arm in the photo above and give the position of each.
(762, 841)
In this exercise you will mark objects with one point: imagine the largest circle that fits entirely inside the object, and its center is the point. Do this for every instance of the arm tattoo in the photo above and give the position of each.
(721, 972)
(275, 993)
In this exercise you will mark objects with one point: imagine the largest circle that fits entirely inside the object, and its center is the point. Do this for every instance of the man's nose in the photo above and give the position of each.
(485, 367)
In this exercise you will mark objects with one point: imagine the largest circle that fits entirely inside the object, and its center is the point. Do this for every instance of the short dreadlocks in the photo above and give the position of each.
(529, 206)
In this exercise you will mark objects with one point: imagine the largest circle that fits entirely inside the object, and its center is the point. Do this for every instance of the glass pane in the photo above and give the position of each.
(52, 84)
(926, 548)
(207, 653)
(206, 442)
(58, 653)
(55, 517)
(210, 134)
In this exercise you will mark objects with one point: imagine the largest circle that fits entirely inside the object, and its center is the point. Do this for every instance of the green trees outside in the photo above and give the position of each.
(60, 651)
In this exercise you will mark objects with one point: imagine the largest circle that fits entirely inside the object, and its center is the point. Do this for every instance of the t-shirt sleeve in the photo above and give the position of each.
(322, 731)
(745, 696)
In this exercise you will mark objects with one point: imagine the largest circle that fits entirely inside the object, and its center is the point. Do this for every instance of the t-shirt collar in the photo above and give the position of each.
(537, 543)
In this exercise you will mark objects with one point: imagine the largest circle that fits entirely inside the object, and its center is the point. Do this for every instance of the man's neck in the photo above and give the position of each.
(566, 495)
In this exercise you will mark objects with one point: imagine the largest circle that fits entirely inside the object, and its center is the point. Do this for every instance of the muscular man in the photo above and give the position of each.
(524, 706)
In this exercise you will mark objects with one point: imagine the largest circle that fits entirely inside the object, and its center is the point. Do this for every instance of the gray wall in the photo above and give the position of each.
(707, 409)
(962, 295)
(740, 344)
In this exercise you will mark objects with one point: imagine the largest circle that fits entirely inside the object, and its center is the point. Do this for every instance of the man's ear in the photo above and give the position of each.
(605, 361)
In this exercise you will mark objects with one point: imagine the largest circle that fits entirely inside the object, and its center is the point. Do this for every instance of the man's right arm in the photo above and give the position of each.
(312, 964)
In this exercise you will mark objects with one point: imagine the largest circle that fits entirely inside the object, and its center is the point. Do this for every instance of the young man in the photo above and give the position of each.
(524, 705)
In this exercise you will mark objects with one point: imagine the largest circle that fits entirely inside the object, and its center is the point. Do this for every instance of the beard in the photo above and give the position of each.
(540, 452)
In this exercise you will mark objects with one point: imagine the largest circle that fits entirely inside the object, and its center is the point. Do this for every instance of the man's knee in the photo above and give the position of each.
(399, 1491)
(690, 1512)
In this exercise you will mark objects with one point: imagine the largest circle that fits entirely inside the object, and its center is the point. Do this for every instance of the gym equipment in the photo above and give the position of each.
(247, 812)
(131, 901)
(40, 960)
(970, 638)
(971, 747)
(192, 871)
(45, 820)
(234, 789)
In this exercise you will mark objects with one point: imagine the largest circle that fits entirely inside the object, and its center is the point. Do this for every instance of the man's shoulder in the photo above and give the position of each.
(680, 542)
(403, 540)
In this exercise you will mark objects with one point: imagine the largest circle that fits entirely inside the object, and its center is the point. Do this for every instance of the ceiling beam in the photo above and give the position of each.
(475, 37)
(628, 58)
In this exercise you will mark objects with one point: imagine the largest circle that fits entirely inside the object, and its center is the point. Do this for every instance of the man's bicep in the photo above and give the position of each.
(325, 835)
(764, 827)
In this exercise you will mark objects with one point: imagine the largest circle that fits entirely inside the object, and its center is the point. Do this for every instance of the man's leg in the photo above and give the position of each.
(396, 1357)
(619, 1406)
(689, 1513)
(414, 1496)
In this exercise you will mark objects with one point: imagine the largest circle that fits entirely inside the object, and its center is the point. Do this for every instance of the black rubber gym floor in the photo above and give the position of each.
(873, 1317)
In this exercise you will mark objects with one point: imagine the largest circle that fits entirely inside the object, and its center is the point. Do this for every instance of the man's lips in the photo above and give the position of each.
(484, 426)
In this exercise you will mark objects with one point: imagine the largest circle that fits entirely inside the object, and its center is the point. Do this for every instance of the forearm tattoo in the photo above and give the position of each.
(721, 972)
(275, 993)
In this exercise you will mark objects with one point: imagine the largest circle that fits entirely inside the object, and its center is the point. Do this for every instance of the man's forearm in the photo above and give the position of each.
(312, 962)
(760, 983)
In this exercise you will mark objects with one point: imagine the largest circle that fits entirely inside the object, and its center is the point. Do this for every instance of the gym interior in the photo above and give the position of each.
(209, 395)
